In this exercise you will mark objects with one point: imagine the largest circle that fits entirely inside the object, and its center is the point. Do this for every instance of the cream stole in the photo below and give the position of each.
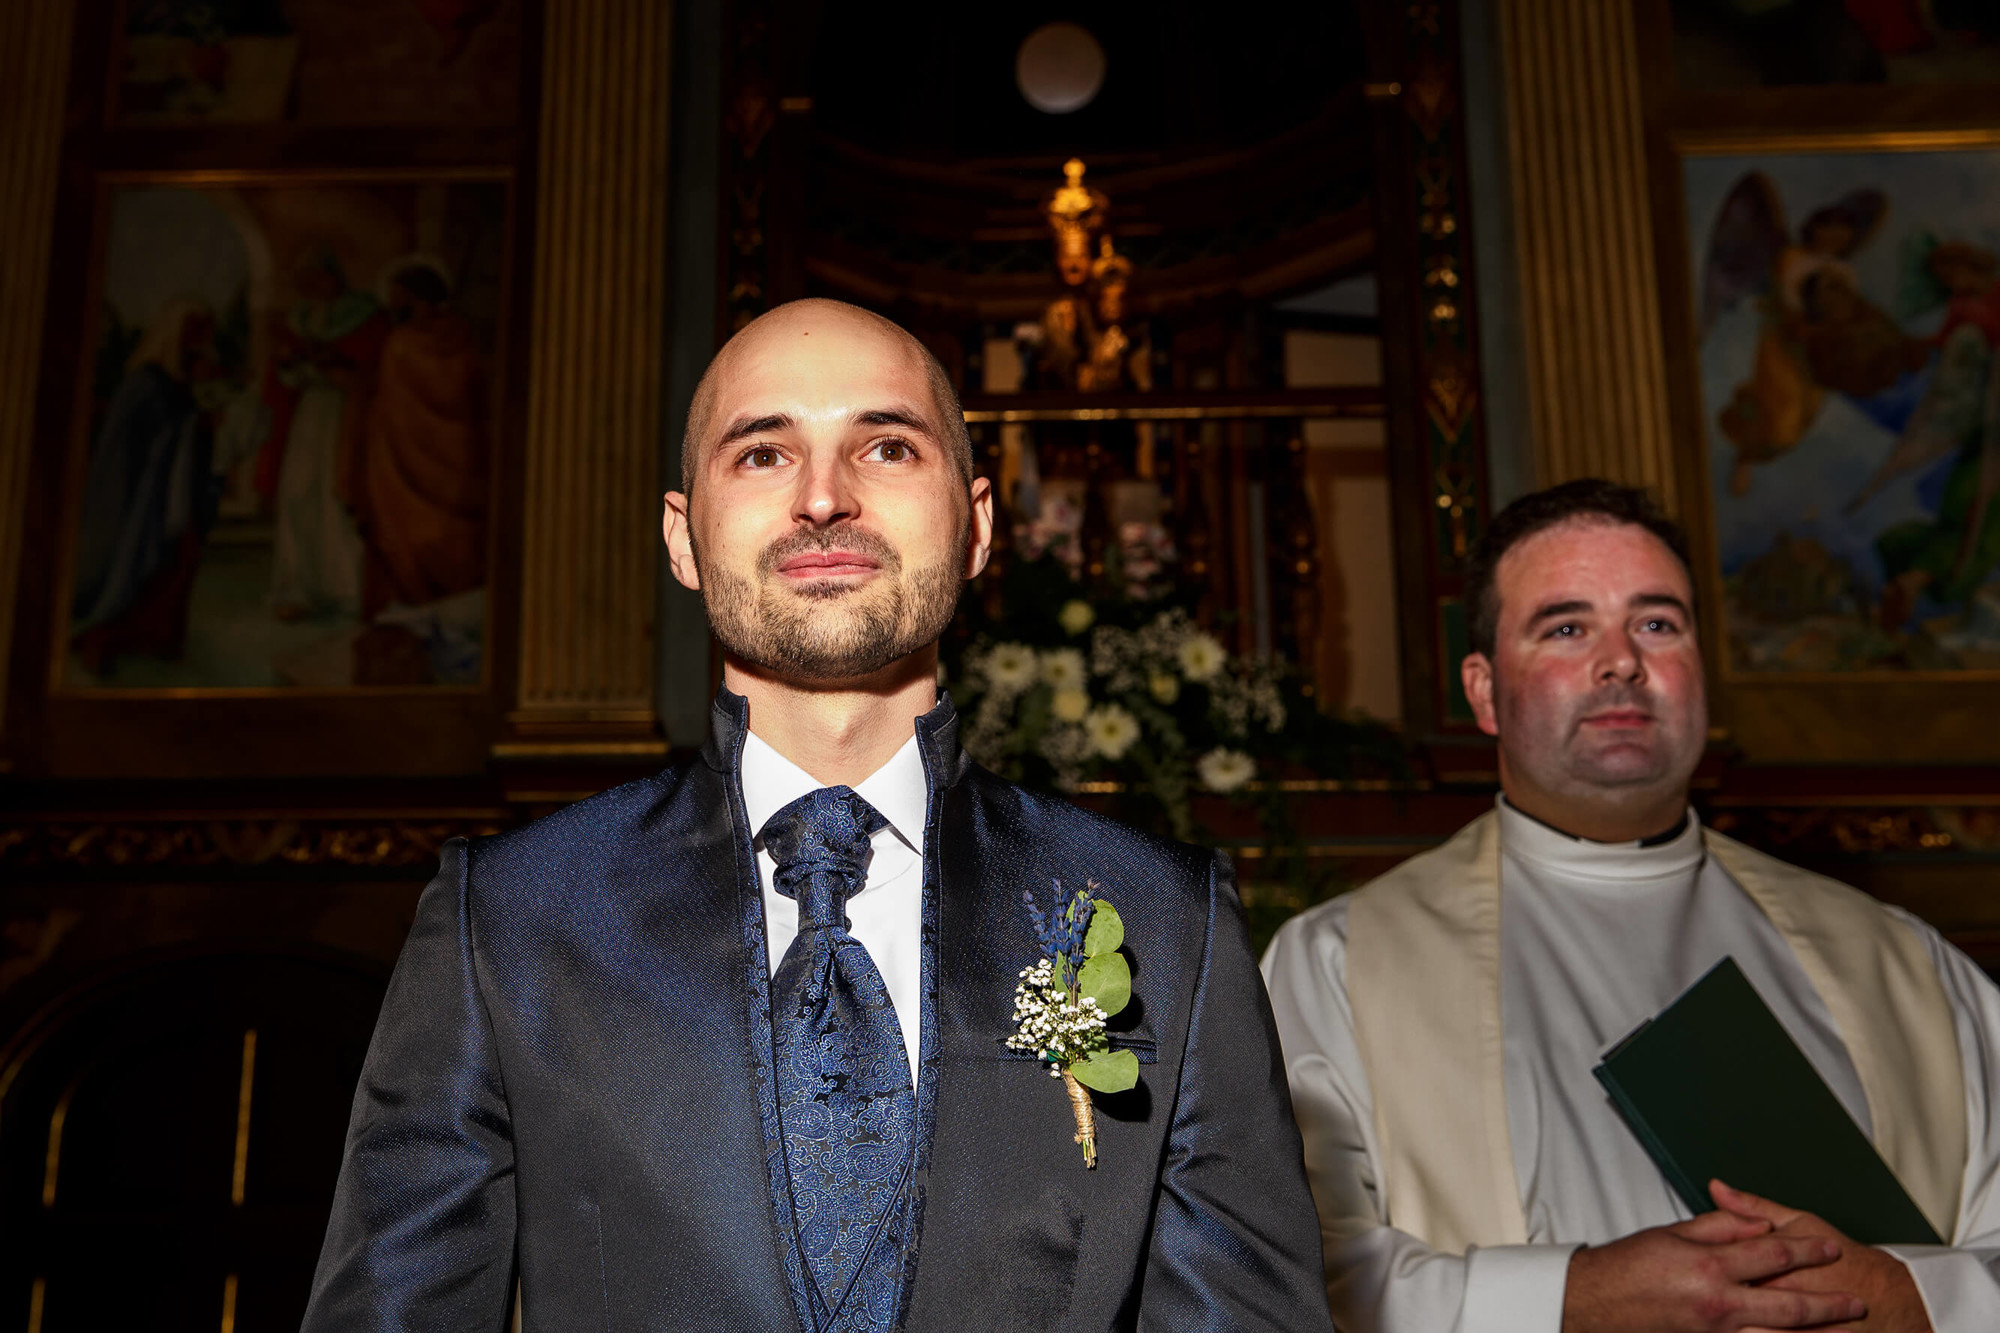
(1423, 977)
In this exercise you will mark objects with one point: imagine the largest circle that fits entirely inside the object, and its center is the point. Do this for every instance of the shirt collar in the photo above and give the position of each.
(897, 789)
(1537, 843)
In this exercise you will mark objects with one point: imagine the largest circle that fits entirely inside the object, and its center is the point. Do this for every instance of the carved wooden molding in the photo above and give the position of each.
(34, 66)
(1863, 831)
(379, 843)
(1589, 298)
(591, 535)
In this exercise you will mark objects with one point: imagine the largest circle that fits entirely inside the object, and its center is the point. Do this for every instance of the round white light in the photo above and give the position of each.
(1060, 68)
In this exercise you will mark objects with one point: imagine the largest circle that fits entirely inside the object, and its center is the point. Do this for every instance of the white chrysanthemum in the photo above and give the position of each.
(1201, 657)
(1223, 769)
(1063, 668)
(1076, 616)
(1011, 667)
(1111, 730)
(1070, 705)
(1165, 686)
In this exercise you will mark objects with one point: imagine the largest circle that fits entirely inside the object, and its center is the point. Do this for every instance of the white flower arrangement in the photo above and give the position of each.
(1063, 669)
(1201, 656)
(1010, 668)
(1076, 616)
(1111, 730)
(1225, 770)
(1054, 1028)
(1070, 705)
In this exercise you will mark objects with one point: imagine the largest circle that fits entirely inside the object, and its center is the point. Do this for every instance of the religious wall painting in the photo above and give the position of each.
(317, 62)
(1846, 309)
(1730, 45)
(284, 454)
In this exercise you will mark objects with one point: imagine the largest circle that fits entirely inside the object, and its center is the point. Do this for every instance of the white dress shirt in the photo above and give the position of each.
(1594, 939)
(886, 915)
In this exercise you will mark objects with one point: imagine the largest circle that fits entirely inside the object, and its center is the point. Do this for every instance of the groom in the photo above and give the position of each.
(725, 1049)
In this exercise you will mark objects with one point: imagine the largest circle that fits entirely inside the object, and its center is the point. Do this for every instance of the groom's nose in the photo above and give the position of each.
(827, 492)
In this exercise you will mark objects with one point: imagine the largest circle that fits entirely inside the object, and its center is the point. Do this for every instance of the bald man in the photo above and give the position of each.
(727, 1048)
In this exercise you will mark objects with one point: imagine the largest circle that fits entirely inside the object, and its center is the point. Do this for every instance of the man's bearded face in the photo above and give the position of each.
(779, 614)
(829, 520)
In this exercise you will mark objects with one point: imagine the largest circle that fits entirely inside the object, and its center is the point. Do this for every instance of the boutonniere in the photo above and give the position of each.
(1063, 1000)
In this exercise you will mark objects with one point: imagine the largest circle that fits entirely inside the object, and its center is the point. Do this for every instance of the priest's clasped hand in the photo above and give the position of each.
(1710, 1274)
(1878, 1277)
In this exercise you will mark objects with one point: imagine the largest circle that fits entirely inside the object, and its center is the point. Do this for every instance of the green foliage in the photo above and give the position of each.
(1107, 979)
(1107, 1071)
(1107, 930)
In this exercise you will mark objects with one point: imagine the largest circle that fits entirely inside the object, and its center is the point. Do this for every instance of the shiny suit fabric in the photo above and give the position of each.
(568, 1083)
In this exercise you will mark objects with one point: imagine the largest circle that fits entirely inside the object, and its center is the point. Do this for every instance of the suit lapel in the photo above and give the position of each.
(1005, 1188)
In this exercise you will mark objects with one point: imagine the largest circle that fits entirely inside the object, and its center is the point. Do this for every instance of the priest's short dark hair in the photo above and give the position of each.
(1589, 498)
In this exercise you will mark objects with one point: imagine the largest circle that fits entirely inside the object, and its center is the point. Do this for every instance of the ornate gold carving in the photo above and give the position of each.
(1862, 831)
(34, 62)
(590, 534)
(1590, 301)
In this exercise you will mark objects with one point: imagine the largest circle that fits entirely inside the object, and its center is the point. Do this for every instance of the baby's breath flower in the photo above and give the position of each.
(1058, 1031)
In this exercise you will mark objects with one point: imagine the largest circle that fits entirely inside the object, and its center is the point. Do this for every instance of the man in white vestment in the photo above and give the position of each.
(1440, 1025)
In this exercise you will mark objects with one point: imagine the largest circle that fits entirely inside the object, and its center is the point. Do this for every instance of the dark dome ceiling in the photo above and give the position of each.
(936, 81)
(1232, 140)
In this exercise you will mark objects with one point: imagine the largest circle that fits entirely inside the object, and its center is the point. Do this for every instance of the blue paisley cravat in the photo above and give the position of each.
(845, 1104)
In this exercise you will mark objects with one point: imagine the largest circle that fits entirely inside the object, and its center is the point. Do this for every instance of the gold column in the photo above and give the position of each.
(1589, 302)
(591, 510)
(34, 66)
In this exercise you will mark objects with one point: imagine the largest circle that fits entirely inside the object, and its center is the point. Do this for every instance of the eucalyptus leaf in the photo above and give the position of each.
(1106, 931)
(1107, 980)
(1111, 1071)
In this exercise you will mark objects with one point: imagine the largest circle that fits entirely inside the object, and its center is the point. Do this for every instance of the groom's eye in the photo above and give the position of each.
(763, 456)
(893, 451)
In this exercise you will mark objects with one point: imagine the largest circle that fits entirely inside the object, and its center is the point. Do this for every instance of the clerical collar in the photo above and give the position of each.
(1539, 843)
(897, 789)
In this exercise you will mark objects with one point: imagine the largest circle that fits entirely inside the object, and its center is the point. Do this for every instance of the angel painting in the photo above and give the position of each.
(1850, 382)
(1820, 334)
(1947, 556)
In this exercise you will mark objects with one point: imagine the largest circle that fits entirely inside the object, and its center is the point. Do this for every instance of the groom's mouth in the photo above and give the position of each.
(819, 565)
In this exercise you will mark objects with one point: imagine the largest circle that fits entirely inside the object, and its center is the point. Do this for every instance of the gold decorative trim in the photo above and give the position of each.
(34, 64)
(1308, 411)
(245, 1086)
(590, 538)
(1729, 143)
(562, 749)
(1590, 299)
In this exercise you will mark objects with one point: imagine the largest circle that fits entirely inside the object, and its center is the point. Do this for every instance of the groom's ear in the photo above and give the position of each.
(979, 546)
(675, 527)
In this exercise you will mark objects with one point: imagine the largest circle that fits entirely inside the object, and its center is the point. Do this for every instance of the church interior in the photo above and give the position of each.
(346, 347)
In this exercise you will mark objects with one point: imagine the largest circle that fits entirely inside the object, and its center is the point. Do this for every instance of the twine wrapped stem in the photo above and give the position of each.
(1086, 1117)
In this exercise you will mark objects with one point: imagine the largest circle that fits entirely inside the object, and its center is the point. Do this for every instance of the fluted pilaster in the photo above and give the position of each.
(591, 511)
(34, 65)
(1590, 305)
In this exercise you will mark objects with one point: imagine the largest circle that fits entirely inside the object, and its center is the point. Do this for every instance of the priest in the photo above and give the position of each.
(1440, 1025)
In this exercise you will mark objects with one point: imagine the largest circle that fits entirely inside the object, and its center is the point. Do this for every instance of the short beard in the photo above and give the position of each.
(802, 634)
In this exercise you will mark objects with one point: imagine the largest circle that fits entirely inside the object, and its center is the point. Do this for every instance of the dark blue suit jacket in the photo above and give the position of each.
(566, 1084)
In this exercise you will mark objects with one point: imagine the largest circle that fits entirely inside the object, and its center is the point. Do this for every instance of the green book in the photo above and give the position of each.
(1716, 1089)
